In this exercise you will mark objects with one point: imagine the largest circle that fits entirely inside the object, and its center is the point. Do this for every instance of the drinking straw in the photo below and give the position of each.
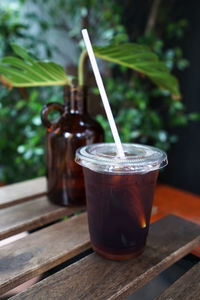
(103, 94)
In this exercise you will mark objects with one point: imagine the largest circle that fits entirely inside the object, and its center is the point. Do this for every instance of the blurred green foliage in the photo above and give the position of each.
(143, 112)
(21, 133)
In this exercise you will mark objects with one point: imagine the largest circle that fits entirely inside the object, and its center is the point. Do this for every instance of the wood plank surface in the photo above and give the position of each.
(187, 287)
(171, 200)
(178, 202)
(31, 214)
(42, 250)
(94, 277)
(20, 192)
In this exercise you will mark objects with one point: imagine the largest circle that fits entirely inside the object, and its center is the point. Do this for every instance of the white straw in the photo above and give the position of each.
(102, 91)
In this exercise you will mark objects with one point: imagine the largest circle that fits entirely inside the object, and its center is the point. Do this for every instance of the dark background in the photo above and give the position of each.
(184, 160)
(184, 157)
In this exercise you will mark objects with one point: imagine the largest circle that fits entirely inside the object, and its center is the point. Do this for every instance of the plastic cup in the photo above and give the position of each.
(119, 193)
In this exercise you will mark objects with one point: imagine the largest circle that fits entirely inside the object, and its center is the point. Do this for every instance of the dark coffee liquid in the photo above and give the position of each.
(119, 210)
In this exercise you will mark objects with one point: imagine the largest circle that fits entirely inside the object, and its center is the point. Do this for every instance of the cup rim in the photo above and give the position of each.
(139, 158)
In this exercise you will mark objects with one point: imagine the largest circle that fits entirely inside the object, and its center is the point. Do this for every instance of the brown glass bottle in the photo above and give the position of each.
(75, 128)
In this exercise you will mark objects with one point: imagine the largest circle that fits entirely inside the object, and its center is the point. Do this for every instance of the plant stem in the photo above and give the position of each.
(81, 67)
(152, 16)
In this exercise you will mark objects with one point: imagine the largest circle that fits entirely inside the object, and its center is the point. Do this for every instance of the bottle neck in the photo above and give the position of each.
(75, 99)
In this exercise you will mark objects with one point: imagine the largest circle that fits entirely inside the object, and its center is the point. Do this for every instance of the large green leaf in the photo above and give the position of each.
(141, 59)
(27, 71)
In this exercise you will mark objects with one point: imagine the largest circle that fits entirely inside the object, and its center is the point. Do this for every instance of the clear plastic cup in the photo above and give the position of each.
(119, 193)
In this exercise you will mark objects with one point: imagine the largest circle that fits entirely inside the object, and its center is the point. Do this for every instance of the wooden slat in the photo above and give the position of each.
(94, 277)
(187, 287)
(178, 202)
(73, 233)
(42, 250)
(20, 192)
(170, 200)
(31, 214)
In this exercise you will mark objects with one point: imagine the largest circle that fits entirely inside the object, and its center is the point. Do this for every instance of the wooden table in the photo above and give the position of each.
(24, 207)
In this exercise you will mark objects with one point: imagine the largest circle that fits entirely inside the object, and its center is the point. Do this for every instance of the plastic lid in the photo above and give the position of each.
(138, 158)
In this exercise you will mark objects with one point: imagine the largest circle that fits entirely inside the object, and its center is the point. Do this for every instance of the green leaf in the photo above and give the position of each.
(26, 71)
(141, 59)
(167, 82)
(22, 52)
